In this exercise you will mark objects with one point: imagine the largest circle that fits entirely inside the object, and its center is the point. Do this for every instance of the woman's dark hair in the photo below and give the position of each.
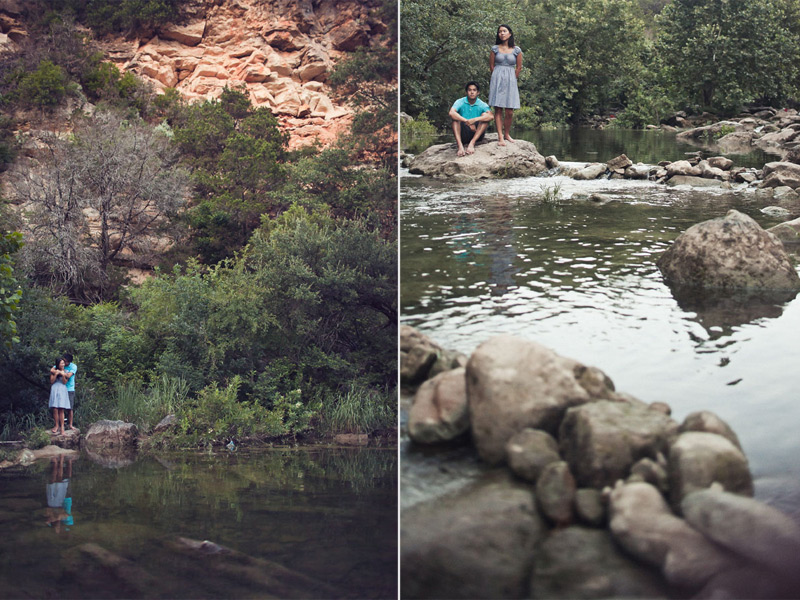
(497, 39)
(58, 360)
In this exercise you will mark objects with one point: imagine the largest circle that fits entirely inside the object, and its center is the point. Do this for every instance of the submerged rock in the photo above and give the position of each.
(732, 252)
(490, 161)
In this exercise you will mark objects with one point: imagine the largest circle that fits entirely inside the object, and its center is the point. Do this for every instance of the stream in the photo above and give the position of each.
(532, 257)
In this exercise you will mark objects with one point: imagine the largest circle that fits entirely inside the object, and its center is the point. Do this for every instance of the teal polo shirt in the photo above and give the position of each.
(470, 111)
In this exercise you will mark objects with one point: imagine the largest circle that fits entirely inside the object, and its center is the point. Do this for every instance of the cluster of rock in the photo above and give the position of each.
(594, 471)
(280, 51)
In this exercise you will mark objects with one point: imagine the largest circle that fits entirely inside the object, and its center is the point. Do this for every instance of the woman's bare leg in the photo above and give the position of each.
(61, 420)
(498, 124)
(509, 118)
(55, 420)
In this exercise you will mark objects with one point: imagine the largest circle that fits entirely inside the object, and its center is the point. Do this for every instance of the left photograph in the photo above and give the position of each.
(198, 299)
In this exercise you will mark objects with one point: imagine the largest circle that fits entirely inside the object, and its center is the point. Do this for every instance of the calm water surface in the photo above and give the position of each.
(495, 257)
(304, 522)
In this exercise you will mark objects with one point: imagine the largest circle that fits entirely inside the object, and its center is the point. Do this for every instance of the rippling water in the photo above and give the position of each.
(497, 257)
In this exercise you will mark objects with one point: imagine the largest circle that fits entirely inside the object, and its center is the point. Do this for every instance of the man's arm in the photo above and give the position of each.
(456, 117)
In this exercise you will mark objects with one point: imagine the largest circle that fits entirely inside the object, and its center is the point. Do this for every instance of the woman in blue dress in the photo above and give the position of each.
(59, 398)
(505, 63)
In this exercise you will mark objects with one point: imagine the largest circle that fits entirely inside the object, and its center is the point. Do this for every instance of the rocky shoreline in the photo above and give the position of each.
(582, 490)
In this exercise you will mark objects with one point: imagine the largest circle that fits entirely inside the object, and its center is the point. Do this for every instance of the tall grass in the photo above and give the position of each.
(15, 424)
(359, 410)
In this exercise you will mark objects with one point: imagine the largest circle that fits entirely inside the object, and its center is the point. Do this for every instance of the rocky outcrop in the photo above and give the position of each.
(518, 159)
(111, 436)
(477, 542)
(513, 384)
(728, 253)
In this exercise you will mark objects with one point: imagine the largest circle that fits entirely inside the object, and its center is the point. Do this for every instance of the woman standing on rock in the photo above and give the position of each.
(59, 398)
(505, 63)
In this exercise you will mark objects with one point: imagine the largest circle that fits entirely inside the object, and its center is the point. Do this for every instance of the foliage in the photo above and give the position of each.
(359, 409)
(724, 53)
(8, 142)
(104, 16)
(528, 117)
(10, 293)
(145, 407)
(237, 155)
(414, 128)
(36, 438)
(45, 87)
(122, 170)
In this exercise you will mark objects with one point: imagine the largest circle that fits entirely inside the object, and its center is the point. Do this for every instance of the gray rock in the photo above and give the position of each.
(775, 211)
(721, 162)
(592, 171)
(513, 384)
(621, 162)
(745, 526)
(738, 142)
(707, 421)
(779, 173)
(732, 252)
(439, 411)
(653, 473)
(642, 523)
(168, 422)
(750, 581)
(520, 159)
(590, 507)
(447, 360)
(697, 459)
(787, 232)
(602, 440)
(682, 167)
(475, 544)
(555, 492)
(105, 436)
(530, 451)
(552, 162)
(694, 181)
(638, 171)
(585, 563)
(418, 353)
(707, 133)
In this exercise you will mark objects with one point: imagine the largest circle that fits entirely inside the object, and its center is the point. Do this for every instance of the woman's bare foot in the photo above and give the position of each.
(54, 430)
(508, 138)
(501, 142)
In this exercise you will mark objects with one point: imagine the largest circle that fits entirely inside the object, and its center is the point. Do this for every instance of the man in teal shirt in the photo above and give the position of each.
(471, 116)
(73, 369)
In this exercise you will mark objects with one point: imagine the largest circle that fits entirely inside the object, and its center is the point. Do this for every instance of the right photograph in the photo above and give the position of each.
(599, 227)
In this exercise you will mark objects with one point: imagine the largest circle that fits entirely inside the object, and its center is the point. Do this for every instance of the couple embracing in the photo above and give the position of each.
(471, 115)
(62, 392)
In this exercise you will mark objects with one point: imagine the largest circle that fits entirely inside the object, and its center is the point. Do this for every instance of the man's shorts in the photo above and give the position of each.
(467, 134)
(71, 400)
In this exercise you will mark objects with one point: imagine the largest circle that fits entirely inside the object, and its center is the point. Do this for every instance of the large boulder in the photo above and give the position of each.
(518, 159)
(705, 420)
(698, 458)
(586, 563)
(439, 412)
(111, 436)
(602, 440)
(644, 526)
(745, 526)
(728, 253)
(778, 174)
(477, 543)
(514, 383)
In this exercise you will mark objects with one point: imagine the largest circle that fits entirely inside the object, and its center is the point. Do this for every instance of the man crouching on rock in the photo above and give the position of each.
(471, 116)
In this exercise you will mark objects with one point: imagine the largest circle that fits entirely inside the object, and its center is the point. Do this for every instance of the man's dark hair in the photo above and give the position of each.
(469, 83)
(68, 358)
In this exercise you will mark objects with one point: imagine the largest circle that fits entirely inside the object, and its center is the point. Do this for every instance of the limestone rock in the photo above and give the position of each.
(787, 232)
(445, 543)
(707, 421)
(731, 252)
(513, 384)
(589, 507)
(745, 526)
(418, 353)
(530, 451)
(621, 162)
(642, 523)
(555, 492)
(589, 172)
(190, 35)
(520, 159)
(552, 162)
(602, 440)
(585, 563)
(111, 435)
(720, 162)
(439, 412)
(778, 174)
(651, 472)
(697, 459)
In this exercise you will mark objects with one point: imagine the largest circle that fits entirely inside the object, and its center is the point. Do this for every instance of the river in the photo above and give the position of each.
(532, 257)
(301, 521)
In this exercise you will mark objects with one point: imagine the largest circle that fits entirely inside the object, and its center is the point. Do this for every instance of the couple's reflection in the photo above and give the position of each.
(59, 494)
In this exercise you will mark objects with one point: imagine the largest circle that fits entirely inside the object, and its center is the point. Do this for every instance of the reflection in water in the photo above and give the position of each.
(490, 257)
(280, 522)
(59, 499)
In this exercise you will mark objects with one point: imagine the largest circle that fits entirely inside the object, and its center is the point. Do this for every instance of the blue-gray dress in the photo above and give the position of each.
(503, 92)
(59, 398)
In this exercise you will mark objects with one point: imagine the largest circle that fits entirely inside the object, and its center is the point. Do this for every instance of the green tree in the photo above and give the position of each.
(10, 293)
(44, 87)
(724, 53)
(584, 54)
